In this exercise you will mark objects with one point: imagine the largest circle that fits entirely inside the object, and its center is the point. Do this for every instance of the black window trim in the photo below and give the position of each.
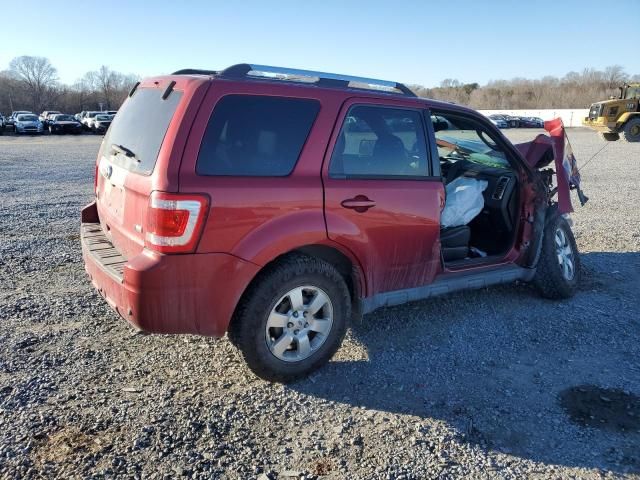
(244, 94)
(432, 147)
(425, 129)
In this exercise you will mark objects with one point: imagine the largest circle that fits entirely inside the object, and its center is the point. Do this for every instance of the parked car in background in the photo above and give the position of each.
(28, 123)
(514, 122)
(63, 123)
(228, 203)
(44, 116)
(538, 121)
(10, 122)
(498, 121)
(511, 121)
(1, 124)
(47, 119)
(531, 122)
(88, 117)
(100, 123)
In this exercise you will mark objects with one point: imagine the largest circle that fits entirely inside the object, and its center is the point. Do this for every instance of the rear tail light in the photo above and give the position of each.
(175, 221)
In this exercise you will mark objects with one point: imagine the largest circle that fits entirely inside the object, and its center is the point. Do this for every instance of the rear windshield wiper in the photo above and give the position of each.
(124, 151)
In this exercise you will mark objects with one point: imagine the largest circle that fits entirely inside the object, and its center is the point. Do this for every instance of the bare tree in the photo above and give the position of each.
(31, 83)
(571, 91)
(615, 76)
(111, 85)
(37, 76)
(450, 83)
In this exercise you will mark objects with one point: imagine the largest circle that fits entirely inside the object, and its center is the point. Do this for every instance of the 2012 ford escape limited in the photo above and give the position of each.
(275, 205)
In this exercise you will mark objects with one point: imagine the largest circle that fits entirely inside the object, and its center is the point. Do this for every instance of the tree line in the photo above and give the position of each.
(32, 83)
(574, 90)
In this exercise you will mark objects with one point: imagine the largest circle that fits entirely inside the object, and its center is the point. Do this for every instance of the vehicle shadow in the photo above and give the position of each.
(494, 363)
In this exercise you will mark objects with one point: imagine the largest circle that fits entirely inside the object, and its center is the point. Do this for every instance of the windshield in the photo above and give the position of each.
(27, 118)
(103, 117)
(632, 92)
(459, 139)
(64, 118)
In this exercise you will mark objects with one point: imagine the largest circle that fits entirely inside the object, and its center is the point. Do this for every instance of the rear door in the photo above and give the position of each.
(256, 149)
(382, 199)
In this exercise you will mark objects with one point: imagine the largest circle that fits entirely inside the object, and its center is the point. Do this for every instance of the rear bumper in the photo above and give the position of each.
(192, 293)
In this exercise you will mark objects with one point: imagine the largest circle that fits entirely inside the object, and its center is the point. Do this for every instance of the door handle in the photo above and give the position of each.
(360, 203)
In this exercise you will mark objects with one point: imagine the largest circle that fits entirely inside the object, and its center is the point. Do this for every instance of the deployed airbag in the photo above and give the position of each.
(464, 201)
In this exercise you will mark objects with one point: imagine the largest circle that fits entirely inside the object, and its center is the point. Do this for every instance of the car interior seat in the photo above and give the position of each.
(454, 242)
(389, 155)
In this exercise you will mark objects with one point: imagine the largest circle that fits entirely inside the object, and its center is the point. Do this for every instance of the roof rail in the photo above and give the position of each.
(243, 70)
(195, 71)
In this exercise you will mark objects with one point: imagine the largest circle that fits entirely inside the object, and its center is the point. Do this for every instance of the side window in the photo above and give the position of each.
(380, 142)
(255, 135)
(461, 140)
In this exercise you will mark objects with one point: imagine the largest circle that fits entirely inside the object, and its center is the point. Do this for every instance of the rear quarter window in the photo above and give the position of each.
(140, 126)
(255, 135)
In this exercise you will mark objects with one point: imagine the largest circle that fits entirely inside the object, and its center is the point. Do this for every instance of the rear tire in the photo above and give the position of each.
(631, 130)
(609, 136)
(558, 271)
(275, 327)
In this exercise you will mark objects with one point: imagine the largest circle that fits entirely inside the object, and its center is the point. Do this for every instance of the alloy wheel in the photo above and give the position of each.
(565, 255)
(299, 324)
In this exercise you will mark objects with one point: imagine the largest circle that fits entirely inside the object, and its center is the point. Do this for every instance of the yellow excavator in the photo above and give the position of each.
(617, 118)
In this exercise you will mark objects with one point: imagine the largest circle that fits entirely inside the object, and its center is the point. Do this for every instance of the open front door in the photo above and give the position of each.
(381, 199)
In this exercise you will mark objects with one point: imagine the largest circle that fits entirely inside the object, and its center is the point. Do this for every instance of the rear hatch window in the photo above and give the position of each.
(134, 138)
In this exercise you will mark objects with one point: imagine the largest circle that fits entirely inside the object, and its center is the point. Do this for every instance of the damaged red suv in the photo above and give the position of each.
(275, 205)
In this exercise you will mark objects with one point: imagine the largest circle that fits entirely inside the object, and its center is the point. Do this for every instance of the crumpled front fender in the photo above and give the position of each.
(567, 172)
(544, 149)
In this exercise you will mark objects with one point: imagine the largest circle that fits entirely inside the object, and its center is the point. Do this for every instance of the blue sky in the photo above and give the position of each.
(421, 42)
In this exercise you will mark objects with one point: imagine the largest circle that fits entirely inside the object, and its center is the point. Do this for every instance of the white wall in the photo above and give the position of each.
(571, 117)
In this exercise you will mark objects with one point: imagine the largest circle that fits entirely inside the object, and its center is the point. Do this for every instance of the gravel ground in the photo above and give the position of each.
(496, 383)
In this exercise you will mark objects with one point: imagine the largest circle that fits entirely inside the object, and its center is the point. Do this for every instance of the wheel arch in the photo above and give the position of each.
(625, 117)
(342, 260)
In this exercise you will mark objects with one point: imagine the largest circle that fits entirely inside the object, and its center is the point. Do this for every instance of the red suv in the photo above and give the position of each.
(275, 205)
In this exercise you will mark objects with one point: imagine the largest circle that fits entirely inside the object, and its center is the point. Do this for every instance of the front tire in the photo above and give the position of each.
(558, 271)
(609, 136)
(631, 130)
(292, 320)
